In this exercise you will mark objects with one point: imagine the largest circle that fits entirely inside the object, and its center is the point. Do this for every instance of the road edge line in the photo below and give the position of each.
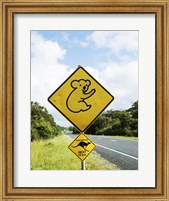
(117, 151)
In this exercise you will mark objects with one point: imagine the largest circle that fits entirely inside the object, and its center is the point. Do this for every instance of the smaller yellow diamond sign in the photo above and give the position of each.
(82, 146)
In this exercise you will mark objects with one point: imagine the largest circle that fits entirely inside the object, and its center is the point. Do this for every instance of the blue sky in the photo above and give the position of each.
(109, 56)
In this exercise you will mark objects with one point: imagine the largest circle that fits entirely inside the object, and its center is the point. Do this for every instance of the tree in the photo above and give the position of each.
(134, 110)
(43, 125)
(116, 122)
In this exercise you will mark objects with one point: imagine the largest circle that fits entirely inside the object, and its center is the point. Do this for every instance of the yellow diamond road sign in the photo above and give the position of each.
(82, 146)
(81, 99)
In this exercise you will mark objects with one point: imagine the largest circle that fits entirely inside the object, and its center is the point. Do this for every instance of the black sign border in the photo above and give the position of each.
(80, 67)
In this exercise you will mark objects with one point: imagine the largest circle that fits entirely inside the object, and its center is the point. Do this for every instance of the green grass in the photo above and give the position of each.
(54, 154)
(125, 137)
(116, 136)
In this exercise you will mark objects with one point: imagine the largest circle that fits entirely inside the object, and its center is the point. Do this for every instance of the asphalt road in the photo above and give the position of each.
(122, 152)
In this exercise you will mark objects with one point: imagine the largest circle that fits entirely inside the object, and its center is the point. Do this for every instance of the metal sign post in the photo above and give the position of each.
(83, 165)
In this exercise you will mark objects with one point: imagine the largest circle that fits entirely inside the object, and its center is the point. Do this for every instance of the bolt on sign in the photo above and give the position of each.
(82, 146)
(81, 99)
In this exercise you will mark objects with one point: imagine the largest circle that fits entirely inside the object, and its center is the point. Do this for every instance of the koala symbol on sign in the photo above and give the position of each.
(76, 99)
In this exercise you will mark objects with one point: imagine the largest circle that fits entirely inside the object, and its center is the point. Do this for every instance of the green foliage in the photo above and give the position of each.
(73, 130)
(113, 123)
(43, 125)
(134, 110)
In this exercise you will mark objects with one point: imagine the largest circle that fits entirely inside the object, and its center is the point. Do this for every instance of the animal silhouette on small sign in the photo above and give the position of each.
(82, 144)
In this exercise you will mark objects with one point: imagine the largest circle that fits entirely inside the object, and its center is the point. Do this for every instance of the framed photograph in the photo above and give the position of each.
(120, 47)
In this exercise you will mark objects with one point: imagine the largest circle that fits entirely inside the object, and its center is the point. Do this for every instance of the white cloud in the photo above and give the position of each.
(81, 43)
(115, 40)
(47, 51)
(47, 73)
(122, 82)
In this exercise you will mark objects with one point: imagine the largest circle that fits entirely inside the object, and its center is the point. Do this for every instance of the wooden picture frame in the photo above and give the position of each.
(8, 10)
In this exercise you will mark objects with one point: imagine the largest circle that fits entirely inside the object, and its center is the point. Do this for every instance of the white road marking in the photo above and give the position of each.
(114, 140)
(117, 152)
